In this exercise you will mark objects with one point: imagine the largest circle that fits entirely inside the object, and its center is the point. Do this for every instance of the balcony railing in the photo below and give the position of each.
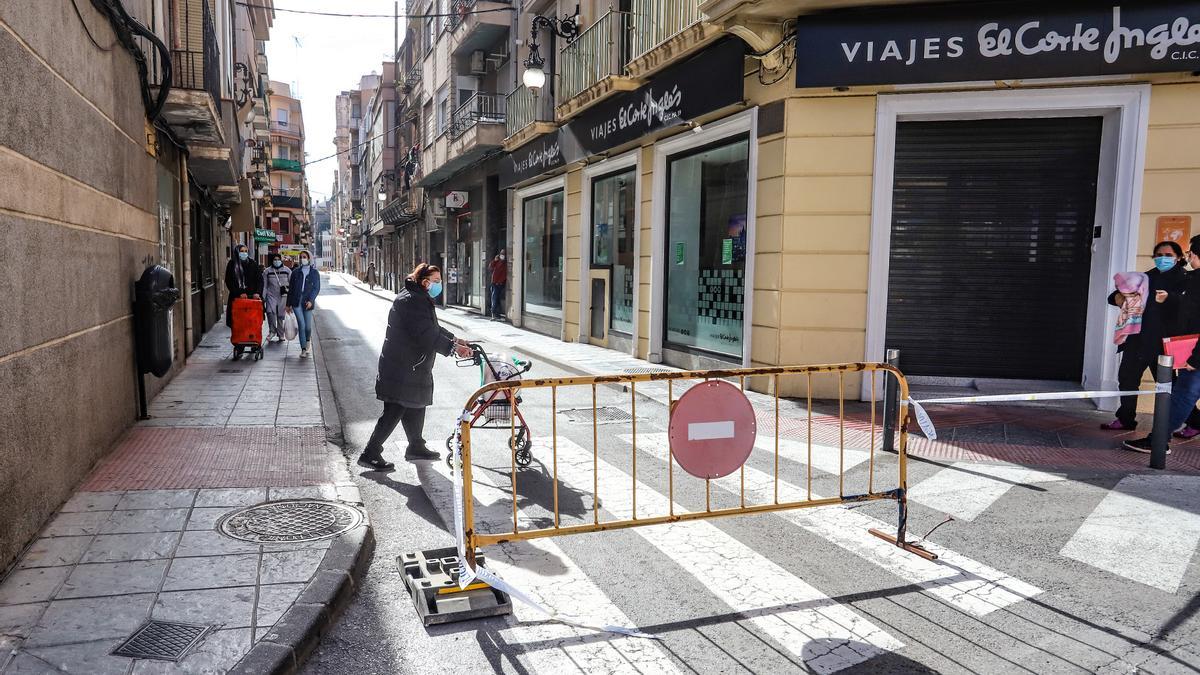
(458, 13)
(523, 109)
(478, 109)
(600, 51)
(281, 125)
(196, 60)
(661, 20)
(286, 164)
(413, 77)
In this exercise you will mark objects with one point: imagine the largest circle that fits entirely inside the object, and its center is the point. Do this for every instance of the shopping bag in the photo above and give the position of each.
(1180, 348)
(290, 328)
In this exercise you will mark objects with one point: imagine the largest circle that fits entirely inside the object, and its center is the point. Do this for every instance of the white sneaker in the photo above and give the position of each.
(305, 353)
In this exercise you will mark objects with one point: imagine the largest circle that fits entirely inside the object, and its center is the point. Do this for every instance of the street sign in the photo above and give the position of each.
(712, 429)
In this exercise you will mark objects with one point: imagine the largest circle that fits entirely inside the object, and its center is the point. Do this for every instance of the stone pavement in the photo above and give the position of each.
(156, 533)
(1062, 436)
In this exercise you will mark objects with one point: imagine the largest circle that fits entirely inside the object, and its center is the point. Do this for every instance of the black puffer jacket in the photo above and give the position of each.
(1187, 318)
(413, 341)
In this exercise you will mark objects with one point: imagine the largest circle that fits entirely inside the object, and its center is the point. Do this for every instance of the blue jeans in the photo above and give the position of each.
(304, 320)
(497, 300)
(1184, 394)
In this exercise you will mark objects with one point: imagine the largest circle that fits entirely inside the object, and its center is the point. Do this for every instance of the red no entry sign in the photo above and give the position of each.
(712, 429)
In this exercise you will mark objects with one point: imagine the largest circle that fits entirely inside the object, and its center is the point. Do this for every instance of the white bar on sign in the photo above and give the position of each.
(710, 431)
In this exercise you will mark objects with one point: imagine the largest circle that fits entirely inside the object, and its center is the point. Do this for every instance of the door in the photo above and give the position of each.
(992, 227)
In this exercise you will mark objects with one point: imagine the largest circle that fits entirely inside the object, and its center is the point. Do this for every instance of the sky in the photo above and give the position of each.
(321, 56)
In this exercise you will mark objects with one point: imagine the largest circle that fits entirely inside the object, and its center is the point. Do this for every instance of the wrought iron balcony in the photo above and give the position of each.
(478, 109)
(192, 108)
(196, 62)
(661, 20)
(523, 109)
(600, 51)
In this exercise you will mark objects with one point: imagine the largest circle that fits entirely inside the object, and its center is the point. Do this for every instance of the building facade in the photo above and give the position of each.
(288, 212)
(762, 183)
(115, 171)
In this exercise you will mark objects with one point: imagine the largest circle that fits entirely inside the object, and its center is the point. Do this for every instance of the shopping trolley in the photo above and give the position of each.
(499, 409)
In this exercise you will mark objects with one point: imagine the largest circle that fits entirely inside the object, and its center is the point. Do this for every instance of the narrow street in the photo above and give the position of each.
(1023, 582)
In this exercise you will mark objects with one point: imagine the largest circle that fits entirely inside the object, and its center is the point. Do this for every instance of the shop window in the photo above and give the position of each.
(543, 218)
(706, 248)
(612, 243)
(443, 110)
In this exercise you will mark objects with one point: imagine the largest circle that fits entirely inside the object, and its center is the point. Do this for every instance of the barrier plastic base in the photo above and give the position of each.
(431, 578)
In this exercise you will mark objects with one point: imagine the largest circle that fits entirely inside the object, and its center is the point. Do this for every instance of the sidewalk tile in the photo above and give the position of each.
(120, 578)
(217, 653)
(91, 657)
(308, 492)
(206, 518)
(80, 523)
(156, 499)
(55, 551)
(274, 600)
(32, 585)
(67, 621)
(290, 566)
(206, 542)
(212, 572)
(92, 501)
(19, 620)
(157, 520)
(318, 545)
(109, 548)
(229, 607)
(231, 497)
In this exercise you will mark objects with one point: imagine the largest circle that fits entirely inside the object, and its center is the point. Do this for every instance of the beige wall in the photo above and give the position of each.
(79, 186)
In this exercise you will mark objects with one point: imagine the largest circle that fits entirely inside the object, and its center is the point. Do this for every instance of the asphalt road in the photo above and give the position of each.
(1039, 572)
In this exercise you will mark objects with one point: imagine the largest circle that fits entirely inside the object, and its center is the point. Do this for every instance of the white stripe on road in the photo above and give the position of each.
(966, 490)
(824, 457)
(1145, 529)
(543, 571)
(955, 579)
(748, 582)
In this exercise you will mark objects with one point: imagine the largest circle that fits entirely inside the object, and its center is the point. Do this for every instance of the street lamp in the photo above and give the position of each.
(534, 77)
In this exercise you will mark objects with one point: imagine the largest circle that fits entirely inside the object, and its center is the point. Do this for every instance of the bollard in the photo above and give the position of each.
(1161, 436)
(891, 406)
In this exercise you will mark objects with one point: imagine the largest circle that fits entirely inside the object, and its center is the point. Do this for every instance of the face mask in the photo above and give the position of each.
(304, 262)
(1164, 263)
(435, 289)
(242, 255)
(501, 258)
(278, 263)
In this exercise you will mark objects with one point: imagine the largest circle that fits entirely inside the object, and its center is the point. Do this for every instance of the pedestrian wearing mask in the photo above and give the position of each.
(1185, 392)
(405, 382)
(243, 279)
(303, 288)
(276, 278)
(1140, 350)
(499, 270)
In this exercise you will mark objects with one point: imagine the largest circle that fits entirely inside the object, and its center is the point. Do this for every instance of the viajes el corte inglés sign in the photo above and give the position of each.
(995, 40)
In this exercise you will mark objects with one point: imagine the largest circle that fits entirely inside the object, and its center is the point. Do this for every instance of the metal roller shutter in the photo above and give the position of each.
(992, 226)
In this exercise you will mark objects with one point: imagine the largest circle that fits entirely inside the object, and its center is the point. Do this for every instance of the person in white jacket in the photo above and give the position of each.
(275, 290)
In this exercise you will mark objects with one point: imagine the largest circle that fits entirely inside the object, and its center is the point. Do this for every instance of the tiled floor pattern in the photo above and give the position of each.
(108, 561)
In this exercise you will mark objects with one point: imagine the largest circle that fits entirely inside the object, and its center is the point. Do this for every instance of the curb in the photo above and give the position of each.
(296, 635)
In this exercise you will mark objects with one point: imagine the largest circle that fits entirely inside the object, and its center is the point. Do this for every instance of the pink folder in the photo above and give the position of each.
(1180, 348)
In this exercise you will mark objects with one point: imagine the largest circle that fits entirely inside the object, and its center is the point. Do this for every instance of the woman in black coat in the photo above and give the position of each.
(405, 381)
(243, 278)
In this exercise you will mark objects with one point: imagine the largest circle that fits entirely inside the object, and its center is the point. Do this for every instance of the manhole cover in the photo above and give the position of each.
(292, 520)
(604, 415)
(162, 640)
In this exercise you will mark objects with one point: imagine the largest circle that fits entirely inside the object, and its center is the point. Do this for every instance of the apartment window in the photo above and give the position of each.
(430, 32)
(443, 110)
(707, 201)
(543, 219)
(285, 225)
(428, 124)
(281, 116)
(284, 152)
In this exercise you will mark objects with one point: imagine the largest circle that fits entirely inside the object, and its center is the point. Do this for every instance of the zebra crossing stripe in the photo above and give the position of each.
(571, 588)
(824, 457)
(746, 581)
(966, 490)
(955, 579)
(1145, 529)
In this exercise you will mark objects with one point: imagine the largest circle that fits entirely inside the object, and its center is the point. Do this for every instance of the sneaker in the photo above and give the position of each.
(1141, 445)
(304, 353)
(1187, 433)
(276, 338)
(375, 463)
(1118, 425)
(413, 454)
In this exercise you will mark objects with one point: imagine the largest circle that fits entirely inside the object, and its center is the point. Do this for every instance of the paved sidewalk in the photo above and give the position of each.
(1027, 434)
(157, 532)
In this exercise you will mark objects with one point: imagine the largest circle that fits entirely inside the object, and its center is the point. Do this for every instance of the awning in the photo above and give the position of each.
(242, 215)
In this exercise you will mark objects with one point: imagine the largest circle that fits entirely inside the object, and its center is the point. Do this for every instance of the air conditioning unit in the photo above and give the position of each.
(478, 66)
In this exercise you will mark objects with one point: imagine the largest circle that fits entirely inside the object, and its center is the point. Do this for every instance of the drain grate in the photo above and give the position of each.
(292, 520)
(162, 640)
(604, 415)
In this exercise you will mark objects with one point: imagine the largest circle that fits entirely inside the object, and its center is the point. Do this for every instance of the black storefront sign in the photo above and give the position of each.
(995, 41)
(711, 80)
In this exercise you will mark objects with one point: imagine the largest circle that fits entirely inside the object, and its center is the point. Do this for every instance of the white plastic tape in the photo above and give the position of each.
(926, 424)
(468, 575)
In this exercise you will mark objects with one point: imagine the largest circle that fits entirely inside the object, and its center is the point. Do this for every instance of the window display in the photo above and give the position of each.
(612, 243)
(543, 218)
